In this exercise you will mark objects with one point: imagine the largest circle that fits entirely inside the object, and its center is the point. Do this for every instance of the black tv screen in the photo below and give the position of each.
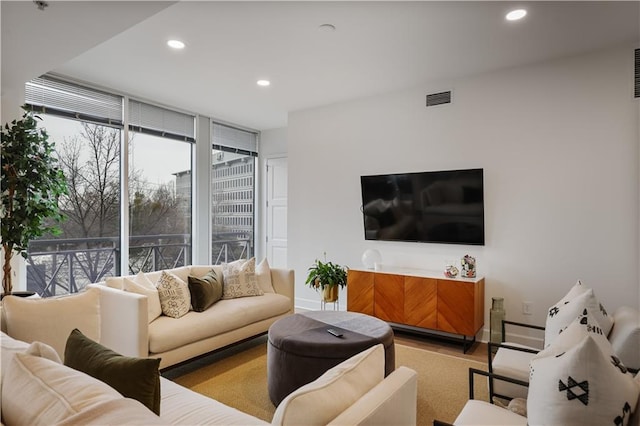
(432, 207)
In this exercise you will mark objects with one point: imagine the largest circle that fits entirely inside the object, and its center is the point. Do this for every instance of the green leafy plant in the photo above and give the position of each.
(31, 184)
(323, 274)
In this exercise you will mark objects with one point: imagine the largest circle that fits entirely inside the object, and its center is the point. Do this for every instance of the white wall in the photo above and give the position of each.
(559, 144)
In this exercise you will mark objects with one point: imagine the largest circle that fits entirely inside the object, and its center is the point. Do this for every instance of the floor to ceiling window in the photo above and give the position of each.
(161, 144)
(88, 149)
(232, 193)
(87, 127)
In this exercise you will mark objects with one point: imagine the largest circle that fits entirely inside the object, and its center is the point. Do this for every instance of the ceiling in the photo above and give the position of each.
(377, 47)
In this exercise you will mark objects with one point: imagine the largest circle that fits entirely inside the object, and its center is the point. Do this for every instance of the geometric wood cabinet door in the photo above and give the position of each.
(458, 304)
(388, 297)
(421, 302)
(360, 291)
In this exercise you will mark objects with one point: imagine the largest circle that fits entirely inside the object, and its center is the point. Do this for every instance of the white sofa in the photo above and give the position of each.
(354, 392)
(196, 333)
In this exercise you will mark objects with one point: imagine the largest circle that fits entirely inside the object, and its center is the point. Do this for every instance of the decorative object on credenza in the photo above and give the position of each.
(468, 264)
(496, 315)
(371, 259)
(328, 277)
(450, 270)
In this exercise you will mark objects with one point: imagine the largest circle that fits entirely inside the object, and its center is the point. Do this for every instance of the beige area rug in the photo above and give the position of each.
(240, 381)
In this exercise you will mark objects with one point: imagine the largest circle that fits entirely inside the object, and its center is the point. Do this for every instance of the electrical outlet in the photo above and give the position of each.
(527, 308)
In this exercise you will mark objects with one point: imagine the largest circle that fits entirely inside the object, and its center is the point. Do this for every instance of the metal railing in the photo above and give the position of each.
(62, 266)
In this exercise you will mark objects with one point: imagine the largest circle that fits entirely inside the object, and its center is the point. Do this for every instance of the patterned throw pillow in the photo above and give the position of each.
(175, 298)
(239, 279)
(581, 386)
(569, 307)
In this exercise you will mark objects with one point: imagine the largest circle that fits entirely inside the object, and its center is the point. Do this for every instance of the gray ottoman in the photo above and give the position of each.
(300, 349)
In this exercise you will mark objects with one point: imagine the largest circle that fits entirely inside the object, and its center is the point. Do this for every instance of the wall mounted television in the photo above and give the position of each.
(431, 207)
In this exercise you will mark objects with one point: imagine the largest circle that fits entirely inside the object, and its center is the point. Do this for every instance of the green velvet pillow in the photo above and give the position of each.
(205, 291)
(136, 378)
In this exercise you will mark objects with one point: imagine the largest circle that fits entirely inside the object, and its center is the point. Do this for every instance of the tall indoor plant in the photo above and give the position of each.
(328, 277)
(31, 184)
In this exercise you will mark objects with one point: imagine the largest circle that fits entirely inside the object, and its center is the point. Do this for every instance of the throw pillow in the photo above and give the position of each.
(140, 284)
(240, 279)
(50, 320)
(263, 275)
(584, 325)
(580, 386)
(320, 401)
(38, 391)
(136, 378)
(205, 291)
(175, 298)
(567, 309)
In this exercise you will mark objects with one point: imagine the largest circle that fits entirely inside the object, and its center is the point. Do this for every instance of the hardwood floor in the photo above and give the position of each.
(477, 352)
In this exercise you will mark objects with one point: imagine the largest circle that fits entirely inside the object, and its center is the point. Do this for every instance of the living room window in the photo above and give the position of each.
(160, 181)
(232, 193)
(87, 127)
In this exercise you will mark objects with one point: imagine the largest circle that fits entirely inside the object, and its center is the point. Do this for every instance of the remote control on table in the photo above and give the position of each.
(334, 332)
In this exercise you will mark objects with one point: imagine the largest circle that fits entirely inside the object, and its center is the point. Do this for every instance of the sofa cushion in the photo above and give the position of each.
(140, 284)
(181, 406)
(569, 307)
(50, 320)
(136, 378)
(580, 386)
(175, 298)
(38, 391)
(240, 279)
(320, 401)
(123, 411)
(477, 412)
(263, 275)
(205, 290)
(225, 316)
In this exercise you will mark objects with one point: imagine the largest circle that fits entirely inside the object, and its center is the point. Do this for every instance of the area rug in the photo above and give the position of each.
(240, 381)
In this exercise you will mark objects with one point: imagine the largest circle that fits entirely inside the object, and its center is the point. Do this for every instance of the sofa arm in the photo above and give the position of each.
(283, 281)
(123, 321)
(392, 402)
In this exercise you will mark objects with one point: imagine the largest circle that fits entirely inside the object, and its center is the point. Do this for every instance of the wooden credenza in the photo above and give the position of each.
(417, 298)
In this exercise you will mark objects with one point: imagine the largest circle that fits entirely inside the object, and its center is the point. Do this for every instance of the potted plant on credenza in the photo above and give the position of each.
(31, 184)
(327, 277)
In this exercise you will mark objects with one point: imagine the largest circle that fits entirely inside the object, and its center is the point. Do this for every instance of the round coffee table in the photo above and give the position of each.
(299, 348)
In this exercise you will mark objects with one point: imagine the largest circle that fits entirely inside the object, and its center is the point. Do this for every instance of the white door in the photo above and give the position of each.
(277, 212)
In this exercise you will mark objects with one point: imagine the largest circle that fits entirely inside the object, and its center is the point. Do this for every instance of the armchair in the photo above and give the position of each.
(512, 359)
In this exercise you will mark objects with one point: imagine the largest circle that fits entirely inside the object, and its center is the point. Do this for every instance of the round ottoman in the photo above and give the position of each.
(299, 348)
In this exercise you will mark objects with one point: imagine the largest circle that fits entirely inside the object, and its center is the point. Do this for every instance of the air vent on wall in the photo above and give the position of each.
(439, 98)
(637, 75)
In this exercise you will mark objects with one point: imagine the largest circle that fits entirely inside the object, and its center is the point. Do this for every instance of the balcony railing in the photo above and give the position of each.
(62, 266)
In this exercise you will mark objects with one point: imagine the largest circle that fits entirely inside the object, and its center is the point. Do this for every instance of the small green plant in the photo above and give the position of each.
(32, 182)
(325, 273)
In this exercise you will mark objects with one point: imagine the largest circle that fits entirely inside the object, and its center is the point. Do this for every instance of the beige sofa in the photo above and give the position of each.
(196, 333)
(38, 389)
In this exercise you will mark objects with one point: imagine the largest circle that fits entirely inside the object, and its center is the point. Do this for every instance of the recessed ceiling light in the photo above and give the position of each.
(175, 44)
(515, 15)
(327, 28)
(263, 83)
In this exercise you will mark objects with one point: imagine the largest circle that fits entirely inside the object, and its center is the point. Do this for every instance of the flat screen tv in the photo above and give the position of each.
(432, 207)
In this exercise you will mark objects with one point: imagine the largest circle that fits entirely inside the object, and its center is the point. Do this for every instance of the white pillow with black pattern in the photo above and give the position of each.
(174, 294)
(584, 325)
(580, 386)
(569, 307)
(239, 279)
